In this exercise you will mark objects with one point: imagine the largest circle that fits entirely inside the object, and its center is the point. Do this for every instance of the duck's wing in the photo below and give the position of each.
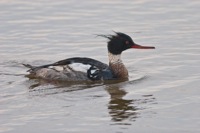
(94, 69)
(81, 60)
(86, 61)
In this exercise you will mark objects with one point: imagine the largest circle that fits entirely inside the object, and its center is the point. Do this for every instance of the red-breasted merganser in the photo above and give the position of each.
(82, 69)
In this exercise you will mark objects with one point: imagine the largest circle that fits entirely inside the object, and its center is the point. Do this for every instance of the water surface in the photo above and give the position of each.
(162, 94)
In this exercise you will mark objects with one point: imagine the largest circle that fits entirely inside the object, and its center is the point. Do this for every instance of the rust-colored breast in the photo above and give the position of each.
(119, 70)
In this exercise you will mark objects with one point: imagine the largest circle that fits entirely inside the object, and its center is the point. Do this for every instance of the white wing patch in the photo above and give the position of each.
(57, 68)
(80, 67)
(93, 71)
(72, 67)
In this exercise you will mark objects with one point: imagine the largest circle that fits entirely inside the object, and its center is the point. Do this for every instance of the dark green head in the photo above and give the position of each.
(120, 42)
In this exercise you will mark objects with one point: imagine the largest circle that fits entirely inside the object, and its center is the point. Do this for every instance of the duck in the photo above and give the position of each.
(89, 69)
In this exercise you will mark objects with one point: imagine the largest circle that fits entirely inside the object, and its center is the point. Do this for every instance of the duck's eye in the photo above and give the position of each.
(127, 42)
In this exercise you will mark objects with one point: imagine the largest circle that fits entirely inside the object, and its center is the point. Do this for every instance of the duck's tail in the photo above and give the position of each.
(31, 68)
(28, 65)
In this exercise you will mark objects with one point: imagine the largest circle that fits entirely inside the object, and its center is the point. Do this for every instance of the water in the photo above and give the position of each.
(162, 94)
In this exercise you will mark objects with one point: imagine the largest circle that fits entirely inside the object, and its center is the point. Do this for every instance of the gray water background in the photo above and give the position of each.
(161, 96)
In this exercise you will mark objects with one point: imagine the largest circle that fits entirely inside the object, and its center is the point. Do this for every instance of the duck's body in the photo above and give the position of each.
(82, 69)
(73, 69)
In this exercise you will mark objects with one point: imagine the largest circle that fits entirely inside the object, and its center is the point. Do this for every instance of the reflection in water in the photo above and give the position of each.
(51, 86)
(40, 87)
(121, 110)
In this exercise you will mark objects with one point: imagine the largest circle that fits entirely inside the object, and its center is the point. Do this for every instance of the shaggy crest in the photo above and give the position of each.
(117, 34)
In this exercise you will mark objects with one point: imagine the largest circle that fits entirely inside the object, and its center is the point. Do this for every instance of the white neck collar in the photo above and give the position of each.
(114, 58)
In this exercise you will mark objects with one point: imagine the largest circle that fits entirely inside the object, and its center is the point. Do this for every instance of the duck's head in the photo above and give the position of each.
(119, 42)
